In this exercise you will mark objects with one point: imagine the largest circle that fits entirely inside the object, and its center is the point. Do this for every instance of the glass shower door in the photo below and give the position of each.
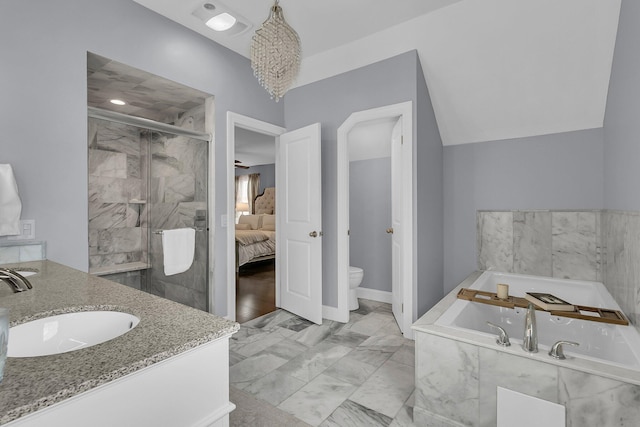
(178, 198)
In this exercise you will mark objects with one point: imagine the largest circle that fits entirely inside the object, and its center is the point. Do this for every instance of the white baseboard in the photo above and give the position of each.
(375, 295)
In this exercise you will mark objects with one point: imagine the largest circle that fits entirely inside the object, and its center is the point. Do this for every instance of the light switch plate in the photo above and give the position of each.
(27, 230)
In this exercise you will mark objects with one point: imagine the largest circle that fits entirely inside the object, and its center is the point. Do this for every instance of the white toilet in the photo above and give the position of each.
(355, 278)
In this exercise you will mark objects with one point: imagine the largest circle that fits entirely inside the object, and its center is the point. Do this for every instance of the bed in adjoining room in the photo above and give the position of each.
(256, 234)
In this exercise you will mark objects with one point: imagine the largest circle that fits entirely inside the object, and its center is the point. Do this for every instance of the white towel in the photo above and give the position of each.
(179, 247)
(10, 204)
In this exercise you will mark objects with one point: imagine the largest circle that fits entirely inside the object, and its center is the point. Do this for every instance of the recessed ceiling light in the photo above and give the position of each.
(221, 22)
(118, 102)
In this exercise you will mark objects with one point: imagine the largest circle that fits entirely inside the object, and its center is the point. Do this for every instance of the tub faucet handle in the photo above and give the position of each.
(556, 350)
(503, 338)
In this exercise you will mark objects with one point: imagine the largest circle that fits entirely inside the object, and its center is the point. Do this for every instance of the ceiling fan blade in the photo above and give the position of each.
(242, 167)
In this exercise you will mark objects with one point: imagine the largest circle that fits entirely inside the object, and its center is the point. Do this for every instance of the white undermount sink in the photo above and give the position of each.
(68, 332)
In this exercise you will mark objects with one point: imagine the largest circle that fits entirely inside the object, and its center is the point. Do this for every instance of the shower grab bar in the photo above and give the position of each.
(195, 228)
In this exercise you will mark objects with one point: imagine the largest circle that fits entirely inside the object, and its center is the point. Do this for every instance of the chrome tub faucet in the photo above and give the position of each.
(530, 340)
(15, 280)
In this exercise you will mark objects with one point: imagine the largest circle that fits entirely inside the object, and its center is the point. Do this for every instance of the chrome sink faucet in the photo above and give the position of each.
(530, 340)
(15, 280)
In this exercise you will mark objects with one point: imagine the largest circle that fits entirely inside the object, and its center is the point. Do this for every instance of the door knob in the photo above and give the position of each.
(313, 234)
(390, 230)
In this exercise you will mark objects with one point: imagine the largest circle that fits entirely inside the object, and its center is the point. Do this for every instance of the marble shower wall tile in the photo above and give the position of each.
(178, 170)
(114, 190)
(495, 241)
(121, 159)
(117, 138)
(107, 163)
(115, 236)
(576, 243)
(532, 243)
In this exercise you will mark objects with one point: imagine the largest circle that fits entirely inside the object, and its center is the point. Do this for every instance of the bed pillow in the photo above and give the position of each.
(243, 226)
(252, 220)
(268, 222)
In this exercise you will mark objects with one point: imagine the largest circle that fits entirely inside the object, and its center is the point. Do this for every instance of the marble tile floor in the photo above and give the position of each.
(356, 374)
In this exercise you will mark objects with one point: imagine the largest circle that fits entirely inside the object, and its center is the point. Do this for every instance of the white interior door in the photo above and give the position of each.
(396, 224)
(300, 223)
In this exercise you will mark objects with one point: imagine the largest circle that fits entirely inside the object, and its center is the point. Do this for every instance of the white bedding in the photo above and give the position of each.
(254, 244)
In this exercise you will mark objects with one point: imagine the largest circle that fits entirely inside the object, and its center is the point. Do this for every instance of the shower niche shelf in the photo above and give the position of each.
(120, 268)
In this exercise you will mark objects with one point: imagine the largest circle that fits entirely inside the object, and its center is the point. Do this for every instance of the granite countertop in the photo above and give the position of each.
(166, 329)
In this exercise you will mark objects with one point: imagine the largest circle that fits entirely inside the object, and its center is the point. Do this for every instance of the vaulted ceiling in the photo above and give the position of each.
(495, 69)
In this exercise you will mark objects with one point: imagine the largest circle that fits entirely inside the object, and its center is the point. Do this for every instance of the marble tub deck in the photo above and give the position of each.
(356, 374)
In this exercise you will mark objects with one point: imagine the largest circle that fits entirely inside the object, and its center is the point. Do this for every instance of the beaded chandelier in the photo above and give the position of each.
(275, 54)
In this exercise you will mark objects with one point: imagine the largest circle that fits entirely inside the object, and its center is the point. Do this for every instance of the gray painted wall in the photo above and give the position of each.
(331, 102)
(369, 217)
(429, 202)
(621, 125)
(560, 171)
(267, 175)
(43, 113)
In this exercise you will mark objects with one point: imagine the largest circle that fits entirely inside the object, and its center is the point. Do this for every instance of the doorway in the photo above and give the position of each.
(258, 273)
(255, 189)
(404, 272)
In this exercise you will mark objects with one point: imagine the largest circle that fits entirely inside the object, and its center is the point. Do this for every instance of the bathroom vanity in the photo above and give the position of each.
(170, 369)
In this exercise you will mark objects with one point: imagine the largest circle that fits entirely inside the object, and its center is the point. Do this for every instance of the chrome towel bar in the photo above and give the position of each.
(195, 228)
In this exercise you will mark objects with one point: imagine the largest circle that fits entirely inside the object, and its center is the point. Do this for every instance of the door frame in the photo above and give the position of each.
(408, 263)
(238, 120)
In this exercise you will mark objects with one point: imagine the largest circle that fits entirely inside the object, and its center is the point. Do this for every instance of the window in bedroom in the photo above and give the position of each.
(246, 191)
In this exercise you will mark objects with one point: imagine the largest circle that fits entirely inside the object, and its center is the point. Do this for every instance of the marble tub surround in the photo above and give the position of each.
(621, 238)
(166, 329)
(458, 372)
(562, 244)
(456, 385)
(595, 245)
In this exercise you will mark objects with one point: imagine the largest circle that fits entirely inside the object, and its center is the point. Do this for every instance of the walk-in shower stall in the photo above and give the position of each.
(146, 177)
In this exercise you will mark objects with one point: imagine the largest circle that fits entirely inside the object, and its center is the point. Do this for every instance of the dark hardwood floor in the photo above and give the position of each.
(255, 290)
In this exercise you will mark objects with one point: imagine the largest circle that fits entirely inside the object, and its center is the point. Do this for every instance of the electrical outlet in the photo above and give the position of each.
(27, 230)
